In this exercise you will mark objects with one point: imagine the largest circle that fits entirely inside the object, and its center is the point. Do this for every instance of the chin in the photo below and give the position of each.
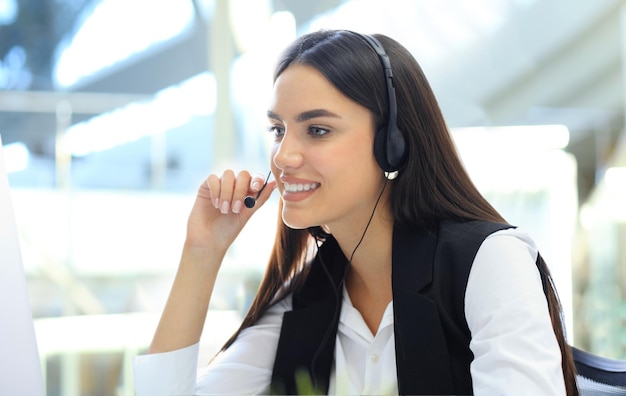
(297, 223)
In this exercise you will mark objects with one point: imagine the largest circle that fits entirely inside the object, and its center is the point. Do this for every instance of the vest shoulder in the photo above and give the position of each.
(469, 229)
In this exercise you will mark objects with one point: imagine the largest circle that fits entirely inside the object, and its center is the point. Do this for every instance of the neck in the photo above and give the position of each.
(367, 243)
(368, 247)
(368, 281)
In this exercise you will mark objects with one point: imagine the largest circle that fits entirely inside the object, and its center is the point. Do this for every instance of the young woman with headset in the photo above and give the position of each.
(415, 284)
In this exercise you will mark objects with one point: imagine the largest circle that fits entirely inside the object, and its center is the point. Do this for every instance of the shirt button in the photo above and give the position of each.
(374, 358)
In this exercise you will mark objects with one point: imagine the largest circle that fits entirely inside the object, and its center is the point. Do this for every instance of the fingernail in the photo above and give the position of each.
(225, 207)
(256, 186)
(217, 203)
(237, 207)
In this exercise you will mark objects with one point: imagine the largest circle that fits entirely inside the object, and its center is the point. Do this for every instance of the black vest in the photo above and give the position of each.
(429, 277)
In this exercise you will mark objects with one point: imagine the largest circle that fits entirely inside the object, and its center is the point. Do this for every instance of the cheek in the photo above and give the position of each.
(361, 155)
(275, 171)
(273, 152)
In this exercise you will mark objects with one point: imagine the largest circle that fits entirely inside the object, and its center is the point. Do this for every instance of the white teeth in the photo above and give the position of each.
(293, 188)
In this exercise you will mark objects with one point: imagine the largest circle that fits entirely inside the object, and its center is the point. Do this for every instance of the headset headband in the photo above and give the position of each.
(389, 144)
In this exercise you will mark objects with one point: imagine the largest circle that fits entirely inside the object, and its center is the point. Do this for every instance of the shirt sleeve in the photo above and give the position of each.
(515, 348)
(245, 368)
(168, 373)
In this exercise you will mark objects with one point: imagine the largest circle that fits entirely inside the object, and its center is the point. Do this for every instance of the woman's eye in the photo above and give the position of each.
(276, 130)
(318, 132)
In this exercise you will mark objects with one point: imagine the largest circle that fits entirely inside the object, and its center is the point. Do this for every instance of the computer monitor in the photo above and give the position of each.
(20, 370)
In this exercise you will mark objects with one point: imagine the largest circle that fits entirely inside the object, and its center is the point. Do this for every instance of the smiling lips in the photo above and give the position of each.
(298, 191)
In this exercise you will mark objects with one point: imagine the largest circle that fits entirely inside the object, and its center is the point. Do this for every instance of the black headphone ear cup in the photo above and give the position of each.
(389, 150)
(380, 150)
(396, 147)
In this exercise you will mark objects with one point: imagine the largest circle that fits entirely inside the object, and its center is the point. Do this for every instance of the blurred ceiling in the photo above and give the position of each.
(551, 61)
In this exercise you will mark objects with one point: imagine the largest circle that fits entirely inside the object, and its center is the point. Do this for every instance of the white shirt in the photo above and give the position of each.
(515, 349)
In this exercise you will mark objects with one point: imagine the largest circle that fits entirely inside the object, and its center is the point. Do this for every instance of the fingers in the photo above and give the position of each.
(242, 184)
(257, 183)
(228, 191)
(214, 186)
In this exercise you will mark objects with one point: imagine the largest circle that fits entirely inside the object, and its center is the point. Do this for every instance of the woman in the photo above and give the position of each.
(415, 284)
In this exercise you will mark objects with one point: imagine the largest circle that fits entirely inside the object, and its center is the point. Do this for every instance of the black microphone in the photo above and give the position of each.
(250, 201)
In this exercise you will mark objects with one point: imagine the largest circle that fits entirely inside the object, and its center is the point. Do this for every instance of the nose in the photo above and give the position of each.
(288, 152)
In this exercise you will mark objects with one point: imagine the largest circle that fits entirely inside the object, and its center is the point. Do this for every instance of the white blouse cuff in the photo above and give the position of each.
(167, 373)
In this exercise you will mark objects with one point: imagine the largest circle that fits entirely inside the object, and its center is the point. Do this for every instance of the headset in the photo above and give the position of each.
(389, 145)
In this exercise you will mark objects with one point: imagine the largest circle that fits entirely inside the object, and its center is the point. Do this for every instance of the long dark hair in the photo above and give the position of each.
(431, 187)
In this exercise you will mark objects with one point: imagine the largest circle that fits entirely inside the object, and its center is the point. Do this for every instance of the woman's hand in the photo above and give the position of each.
(218, 214)
(217, 217)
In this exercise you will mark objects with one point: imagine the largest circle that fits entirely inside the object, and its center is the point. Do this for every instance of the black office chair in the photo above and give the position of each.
(599, 376)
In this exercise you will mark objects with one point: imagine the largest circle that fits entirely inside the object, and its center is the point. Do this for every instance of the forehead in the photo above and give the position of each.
(302, 87)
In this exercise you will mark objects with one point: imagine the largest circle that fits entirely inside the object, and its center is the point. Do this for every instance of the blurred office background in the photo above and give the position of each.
(112, 112)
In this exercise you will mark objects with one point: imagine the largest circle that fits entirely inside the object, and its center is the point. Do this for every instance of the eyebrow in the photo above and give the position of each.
(306, 115)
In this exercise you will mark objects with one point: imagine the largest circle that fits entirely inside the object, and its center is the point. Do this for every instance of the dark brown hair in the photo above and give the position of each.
(432, 186)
